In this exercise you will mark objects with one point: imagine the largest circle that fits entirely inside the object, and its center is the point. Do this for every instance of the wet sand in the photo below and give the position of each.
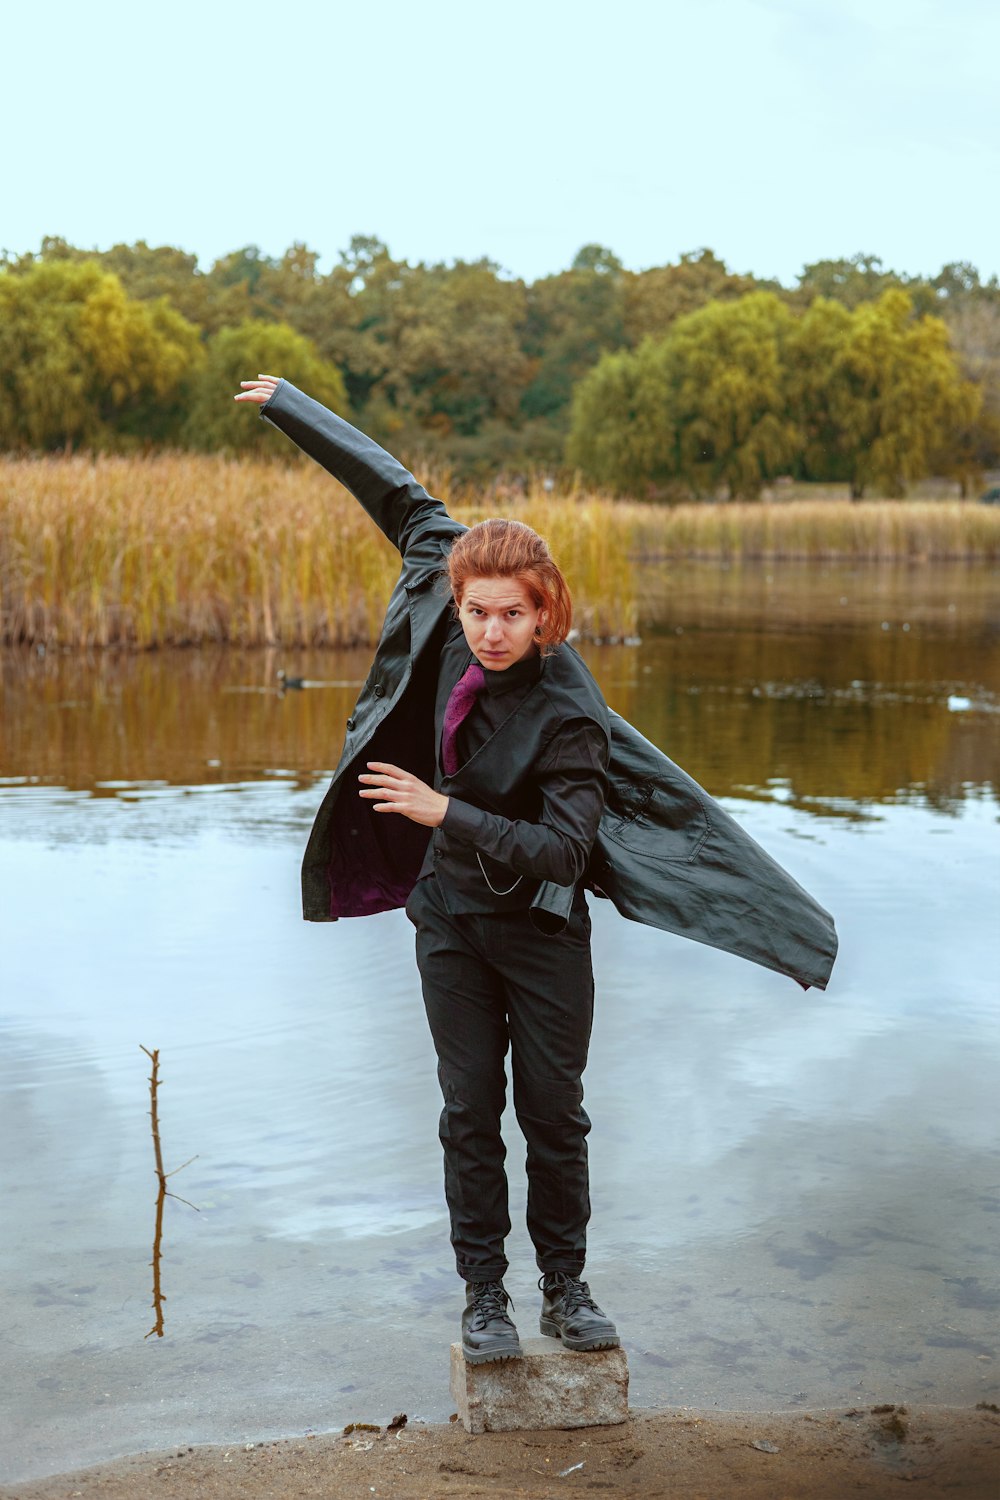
(820, 1455)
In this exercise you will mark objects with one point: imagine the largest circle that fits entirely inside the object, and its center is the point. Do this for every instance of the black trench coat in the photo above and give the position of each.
(666, 854)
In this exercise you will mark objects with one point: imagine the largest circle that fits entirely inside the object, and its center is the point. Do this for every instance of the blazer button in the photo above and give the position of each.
(379, 690)
(350, 723)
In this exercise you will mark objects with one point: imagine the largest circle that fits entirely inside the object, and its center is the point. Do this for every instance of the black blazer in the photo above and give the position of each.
(666, 853)
(525, 806)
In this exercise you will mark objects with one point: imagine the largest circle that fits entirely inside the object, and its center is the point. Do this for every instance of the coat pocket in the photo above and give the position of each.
(656, 820)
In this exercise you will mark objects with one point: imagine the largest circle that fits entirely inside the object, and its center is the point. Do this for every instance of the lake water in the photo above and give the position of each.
(796, 1196)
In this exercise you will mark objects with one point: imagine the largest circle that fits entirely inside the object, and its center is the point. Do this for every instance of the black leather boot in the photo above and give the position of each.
(487, 1331)
(570, 1313)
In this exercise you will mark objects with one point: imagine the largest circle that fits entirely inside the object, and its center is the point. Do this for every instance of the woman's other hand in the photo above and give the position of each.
(396, 791)
(258, 391)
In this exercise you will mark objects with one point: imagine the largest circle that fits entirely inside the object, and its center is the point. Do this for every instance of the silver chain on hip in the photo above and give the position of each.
(492, 887)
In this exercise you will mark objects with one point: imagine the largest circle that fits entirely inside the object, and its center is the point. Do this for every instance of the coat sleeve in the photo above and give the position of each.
(396, 502)
(571, 778)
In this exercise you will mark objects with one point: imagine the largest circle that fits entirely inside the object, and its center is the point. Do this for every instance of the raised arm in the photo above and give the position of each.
(398, 505)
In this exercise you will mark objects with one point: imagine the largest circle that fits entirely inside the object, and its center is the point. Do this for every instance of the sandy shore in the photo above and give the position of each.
(820, 1455)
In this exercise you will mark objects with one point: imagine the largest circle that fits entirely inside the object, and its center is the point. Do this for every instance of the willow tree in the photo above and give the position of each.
(706, 407)
(974, 326)
(82, 365)
(879, 393)
(234, 354)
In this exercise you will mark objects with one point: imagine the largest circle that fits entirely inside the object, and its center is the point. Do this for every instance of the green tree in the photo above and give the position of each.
(571, 320)
(244, 266)
(656, 298)
(974, 329)
(235, 354)
(456, 360)
(850, 280)
(624, 431)
(820, 390)
(429, 353)
(705, 407)
(959, 281)
(597, 258)
(150, 272)
(288, 290)
(355, 319)
(861, 278)
(889, 389)
(732, 396)
(83, 365)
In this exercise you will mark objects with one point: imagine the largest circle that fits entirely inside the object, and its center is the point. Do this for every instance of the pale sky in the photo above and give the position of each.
(775, 131)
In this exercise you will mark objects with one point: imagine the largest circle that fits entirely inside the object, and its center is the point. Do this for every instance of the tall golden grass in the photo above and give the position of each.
(183, 549)
(817, 530)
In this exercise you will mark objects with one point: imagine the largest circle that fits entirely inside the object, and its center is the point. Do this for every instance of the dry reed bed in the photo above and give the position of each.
(866, 530)
(184, 549)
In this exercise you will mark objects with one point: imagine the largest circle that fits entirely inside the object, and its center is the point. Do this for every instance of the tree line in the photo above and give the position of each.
(684, 379)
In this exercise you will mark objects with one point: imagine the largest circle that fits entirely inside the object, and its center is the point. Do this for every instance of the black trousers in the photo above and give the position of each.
(491, 983)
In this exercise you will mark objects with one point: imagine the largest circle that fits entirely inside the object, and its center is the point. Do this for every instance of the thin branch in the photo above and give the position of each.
(163, 1192)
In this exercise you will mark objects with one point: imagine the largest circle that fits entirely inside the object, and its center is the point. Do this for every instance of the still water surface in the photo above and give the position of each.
(796, 1197)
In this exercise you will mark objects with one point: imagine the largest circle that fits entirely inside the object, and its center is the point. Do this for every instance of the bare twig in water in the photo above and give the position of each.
(163, 1192)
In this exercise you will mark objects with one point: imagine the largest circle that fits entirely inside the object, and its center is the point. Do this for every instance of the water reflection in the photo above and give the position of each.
(804, 697)
(162, 1193)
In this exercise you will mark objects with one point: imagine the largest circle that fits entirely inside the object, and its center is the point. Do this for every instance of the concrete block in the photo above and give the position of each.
(550, 1387)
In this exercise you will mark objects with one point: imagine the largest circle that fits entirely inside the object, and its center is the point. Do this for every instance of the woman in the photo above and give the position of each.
(482, 784)
(520, 752)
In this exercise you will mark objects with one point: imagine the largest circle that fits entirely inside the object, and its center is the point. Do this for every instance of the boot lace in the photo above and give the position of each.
(574, 1292)
(490, 1301)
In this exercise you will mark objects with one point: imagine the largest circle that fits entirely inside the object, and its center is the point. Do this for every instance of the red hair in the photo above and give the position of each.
(509, 549)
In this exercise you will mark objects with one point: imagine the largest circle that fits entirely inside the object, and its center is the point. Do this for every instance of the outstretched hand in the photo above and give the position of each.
(258, 391)
(396, 791)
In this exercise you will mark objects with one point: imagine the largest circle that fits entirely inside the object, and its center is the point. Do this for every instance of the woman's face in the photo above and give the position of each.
(499, 618)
